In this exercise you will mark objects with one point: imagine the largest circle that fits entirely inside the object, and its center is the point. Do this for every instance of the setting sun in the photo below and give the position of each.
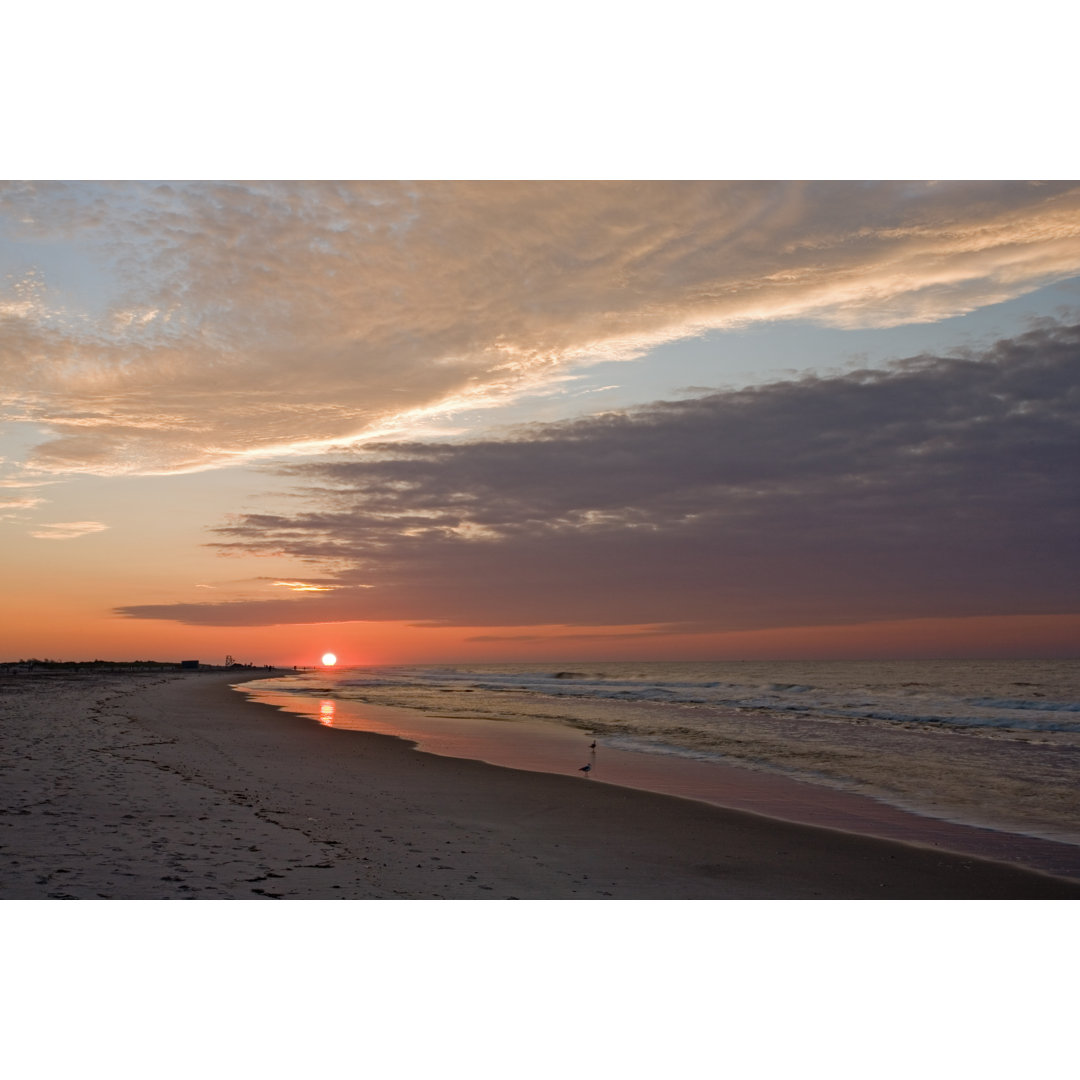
(329, 659)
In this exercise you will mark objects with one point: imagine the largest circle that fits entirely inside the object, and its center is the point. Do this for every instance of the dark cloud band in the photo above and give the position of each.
(943, 486)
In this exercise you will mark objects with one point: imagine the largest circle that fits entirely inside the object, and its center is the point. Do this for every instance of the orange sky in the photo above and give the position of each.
(68, 632)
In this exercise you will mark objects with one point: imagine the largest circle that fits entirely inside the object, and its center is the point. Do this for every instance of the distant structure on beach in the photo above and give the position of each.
(189, 665)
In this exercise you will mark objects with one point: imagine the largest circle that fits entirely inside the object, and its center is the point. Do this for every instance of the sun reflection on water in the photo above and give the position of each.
(326, 712)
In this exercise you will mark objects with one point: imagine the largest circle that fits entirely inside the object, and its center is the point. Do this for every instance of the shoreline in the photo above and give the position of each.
(177, 786)
(560, 749)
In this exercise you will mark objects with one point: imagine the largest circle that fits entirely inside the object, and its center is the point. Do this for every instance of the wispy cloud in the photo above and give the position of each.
(246, 320)
(67, 530)
(10, 483)
(303, 587)
(942, 486)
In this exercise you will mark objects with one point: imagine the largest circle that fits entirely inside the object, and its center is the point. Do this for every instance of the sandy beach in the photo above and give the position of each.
(173, 786)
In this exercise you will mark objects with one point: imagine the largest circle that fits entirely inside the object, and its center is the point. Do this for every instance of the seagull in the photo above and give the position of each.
(585, 768)
(592, 745)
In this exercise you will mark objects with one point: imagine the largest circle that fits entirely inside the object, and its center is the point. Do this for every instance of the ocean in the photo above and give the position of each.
(993, 744)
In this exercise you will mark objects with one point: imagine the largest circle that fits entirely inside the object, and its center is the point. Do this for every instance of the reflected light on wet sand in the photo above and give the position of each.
(326, 713)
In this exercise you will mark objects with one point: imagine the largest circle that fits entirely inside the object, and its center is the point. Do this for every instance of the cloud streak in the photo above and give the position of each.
(22, 503)
(67, 530)
(247, 320)
(942, 486)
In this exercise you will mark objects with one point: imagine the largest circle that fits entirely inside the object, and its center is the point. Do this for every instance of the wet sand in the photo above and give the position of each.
(174, 786)
(544, 746)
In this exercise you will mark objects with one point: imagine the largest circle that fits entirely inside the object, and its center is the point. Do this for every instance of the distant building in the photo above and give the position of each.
(192, 664)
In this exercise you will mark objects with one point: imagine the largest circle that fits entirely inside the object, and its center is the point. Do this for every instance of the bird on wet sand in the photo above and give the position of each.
(585, 768)
(592, 745)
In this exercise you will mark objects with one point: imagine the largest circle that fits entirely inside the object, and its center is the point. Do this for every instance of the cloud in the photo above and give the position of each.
(303, 586)
(8, 483)
(67, 530)
(245, 320)
(22, 503)
(942, 486)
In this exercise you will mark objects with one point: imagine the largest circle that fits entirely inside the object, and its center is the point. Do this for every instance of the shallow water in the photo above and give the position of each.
(994, 744)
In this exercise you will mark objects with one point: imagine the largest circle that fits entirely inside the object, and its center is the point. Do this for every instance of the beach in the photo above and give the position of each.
(174, 786)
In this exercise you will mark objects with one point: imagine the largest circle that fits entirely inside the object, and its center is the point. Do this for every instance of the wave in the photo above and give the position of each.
(1034, 706)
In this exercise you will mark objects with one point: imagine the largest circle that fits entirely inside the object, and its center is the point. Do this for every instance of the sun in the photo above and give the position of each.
(329, 659)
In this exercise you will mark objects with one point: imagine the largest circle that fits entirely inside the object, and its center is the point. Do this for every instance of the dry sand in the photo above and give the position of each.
(133, 786)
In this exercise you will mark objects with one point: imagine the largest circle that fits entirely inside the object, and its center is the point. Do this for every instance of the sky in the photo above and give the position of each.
(443, 421)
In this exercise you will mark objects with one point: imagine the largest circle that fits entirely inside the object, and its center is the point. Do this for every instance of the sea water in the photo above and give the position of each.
(994, 744)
